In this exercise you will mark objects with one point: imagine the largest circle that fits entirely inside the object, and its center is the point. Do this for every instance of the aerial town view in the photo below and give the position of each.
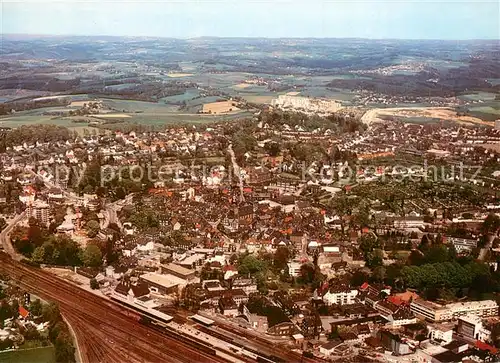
(222, 181)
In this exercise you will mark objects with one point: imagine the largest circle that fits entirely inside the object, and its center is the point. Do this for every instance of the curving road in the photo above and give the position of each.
(5, 236)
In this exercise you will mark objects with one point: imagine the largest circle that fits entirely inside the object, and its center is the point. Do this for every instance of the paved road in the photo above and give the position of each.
(110, 210)
(236, 171)
(48, 184)
(483, 251)
(5, 236)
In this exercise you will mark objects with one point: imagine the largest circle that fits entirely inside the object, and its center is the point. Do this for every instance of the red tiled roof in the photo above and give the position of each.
(483, 346)
(365, 285)
(23, 312)
(395, 300)
(407, 296)
(323, 288)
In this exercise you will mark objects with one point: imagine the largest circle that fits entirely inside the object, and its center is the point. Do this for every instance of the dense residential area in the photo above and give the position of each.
(249, 181)
(336, 239)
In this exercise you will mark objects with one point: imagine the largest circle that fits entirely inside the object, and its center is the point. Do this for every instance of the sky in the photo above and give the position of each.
(375, 19)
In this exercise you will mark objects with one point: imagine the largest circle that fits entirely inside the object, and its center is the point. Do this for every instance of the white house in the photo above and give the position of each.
(440, 332)
(294, 268)
(328, 348)
(471, 326)
(340, 295)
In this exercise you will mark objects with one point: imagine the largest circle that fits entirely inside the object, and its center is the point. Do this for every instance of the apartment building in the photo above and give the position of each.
(340, 295)
(436, 312)
(39, 210)
(294, 268)
(471, 326)
(482, 308)
(463, 244)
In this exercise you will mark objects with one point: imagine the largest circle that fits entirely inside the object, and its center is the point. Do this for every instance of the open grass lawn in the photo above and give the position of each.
(487, 109)
(147, 113)
(258, 99)
(32, 355)
(172, 118)
(478, 96)
(133, 106)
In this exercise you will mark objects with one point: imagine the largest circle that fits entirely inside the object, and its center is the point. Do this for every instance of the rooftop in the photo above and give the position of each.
(178, 269)
(164, 280)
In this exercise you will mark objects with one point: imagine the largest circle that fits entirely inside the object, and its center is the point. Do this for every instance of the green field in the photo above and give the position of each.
(147, 113)
(34, 355)
(20, 119)
(479, 96)
(494, 81)
(486, 109)
(172, 118)
(131, 106)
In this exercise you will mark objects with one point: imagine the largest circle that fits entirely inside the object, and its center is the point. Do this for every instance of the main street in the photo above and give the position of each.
(105, 331)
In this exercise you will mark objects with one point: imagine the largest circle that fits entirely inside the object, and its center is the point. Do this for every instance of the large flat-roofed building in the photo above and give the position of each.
(39, 210)
(463, 244)
(192, 261)
(340, 295)
(429, 310)
(483, 308)
(471, 326)
(436, 312)
(179, 271)
(163, 284)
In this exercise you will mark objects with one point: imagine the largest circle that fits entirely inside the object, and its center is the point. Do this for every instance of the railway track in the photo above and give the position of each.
(115, 333)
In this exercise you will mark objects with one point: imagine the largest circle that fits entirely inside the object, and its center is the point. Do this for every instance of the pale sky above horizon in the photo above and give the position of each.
(404, 19)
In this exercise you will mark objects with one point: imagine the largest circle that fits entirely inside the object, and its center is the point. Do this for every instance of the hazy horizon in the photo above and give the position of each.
(187, 19)
(28, 35)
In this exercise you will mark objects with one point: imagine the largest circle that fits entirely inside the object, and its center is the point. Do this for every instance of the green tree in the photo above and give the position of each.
(342, 207)
(36, 307)
(31, 333)
(14, 306)
(310, 274)
(334, 334)
(92, 227)
(379, 273)
(94, 285)
(92, 256)
(38, 255)
(358, 278)
(65, 351)
(272, 148)
(495, 335)
(491, 224)
(370, 247)
(362, 215)
(144, 219)
(51, 313)
(250, 264)
(5, 311)
(281, 257)
(436, 253)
